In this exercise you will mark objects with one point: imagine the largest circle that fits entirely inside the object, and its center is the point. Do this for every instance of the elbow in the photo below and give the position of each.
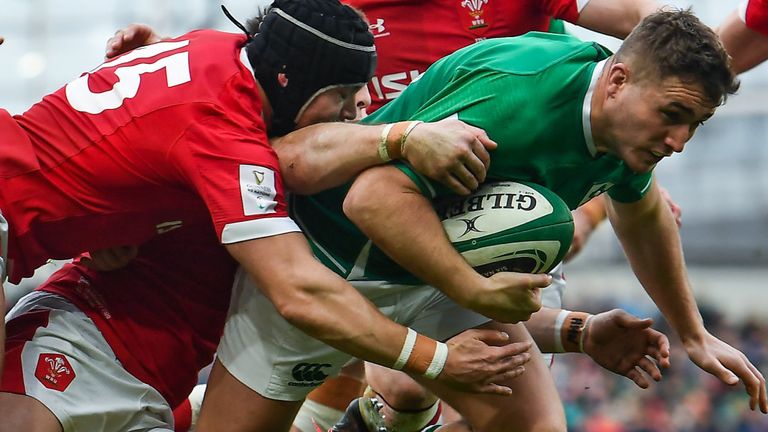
(359, 203)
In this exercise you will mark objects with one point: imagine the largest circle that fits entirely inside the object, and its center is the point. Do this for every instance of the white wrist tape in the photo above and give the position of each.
(558, 330)
(405, 353)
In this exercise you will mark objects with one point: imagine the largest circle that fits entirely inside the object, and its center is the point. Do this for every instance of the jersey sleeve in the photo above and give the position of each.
(236, 172)
(633, 189)
(754, 13)
(568, 10)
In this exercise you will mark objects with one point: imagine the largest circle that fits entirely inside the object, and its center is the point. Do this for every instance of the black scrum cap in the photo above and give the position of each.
(317, 44)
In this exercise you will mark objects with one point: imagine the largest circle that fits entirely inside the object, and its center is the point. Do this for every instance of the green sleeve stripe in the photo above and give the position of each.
(644, 190)
(422, 182)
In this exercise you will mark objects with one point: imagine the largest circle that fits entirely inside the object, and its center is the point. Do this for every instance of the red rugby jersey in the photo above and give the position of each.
(754, 13)
(410, 35)
(164, 313)
(135, 147)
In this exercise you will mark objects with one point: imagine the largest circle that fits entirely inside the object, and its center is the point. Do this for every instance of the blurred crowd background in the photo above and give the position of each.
(721, 182)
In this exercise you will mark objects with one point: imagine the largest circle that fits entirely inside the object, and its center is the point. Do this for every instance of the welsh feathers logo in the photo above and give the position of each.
(476, 15)
(54, 371)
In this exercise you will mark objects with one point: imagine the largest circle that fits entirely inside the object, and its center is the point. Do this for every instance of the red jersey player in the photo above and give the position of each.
(170, 135)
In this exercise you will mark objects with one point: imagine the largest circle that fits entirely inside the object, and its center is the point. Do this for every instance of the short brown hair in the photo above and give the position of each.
(675, 43)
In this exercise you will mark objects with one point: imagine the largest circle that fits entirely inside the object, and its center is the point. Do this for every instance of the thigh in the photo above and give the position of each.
(231, 406)
(267, 354)
(57, 357)
(432, 313)
(534, 405)
(23, 413)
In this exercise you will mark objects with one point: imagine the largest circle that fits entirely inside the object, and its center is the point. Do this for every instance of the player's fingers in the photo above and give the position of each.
(650, 367)
(509, 375)
(2, 39)
(114, 44)
(475, 164)
(638, 378)
(465, 176)
(539, 281)
(483, 137)
(659, 350)
(514, 352)
(455, 185)
(495, 389)
(482, 153)
(757, 396)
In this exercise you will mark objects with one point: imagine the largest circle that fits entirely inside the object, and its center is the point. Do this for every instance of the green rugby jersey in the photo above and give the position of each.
(532, 95)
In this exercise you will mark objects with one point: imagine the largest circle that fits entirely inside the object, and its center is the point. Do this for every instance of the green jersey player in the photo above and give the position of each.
(570, 116)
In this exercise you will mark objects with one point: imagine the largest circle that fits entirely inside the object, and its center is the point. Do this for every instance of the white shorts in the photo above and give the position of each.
(55, 354)
(279, 361)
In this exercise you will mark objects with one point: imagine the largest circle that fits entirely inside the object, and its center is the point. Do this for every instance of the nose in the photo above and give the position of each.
(349, 109)
(677, 137)
(362, 102)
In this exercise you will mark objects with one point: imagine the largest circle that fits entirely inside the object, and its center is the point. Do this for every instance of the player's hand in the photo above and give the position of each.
(729, 365)
(509, 297)
(110, 259)
(131, 37)
(677, 212)
(2, 39)
(627, 345)
(478, 360)
(451, 152)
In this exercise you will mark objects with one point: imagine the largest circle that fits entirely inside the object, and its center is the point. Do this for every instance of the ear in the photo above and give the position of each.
(282, 79)
(618, 76)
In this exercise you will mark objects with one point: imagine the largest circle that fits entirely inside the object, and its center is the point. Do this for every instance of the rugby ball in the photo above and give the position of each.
(509, 226)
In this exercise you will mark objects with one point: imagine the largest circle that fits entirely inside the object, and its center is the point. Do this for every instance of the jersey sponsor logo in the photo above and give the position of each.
(595, 190)
(378, 29)
(392, 85)
(54, 371)
(257, 189)
(164, 227)
(475, 15)
(308, 374)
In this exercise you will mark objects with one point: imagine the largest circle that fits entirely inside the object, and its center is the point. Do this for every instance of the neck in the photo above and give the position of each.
(266, 107)
(597, 119)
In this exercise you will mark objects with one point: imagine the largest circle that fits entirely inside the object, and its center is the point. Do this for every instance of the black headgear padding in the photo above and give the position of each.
(316, 44)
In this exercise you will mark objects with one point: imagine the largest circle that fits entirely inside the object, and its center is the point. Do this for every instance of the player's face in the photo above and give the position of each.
(335, 104)
(652, 120)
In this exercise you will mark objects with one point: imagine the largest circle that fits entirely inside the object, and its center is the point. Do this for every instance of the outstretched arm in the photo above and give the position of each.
(325, 155)
(386, 205)
(616, 340)
(651, 242)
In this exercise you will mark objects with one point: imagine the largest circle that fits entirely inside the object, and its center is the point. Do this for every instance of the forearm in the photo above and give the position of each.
(404, 210)
(615, 17)
(323, 156)
(317, 301)
(651, 241)
(746, 47)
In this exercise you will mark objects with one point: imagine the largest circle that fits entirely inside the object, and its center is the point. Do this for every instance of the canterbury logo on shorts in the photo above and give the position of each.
(54, 371)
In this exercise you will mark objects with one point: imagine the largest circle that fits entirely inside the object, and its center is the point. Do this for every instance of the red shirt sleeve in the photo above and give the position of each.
(754, 13)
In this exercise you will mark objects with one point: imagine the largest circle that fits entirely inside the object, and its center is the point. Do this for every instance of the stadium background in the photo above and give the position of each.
(721, 182)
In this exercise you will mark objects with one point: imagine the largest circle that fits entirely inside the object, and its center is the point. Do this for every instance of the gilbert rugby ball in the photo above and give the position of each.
(509, 226)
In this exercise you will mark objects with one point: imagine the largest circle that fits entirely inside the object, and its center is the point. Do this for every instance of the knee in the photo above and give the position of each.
(399, 390)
